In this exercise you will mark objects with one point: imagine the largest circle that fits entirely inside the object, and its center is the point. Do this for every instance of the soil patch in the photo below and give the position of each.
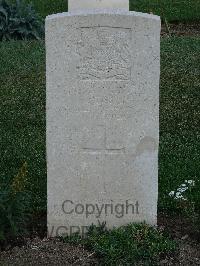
(181, 29)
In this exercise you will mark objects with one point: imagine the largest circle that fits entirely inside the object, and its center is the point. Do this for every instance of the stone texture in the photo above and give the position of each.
(88, 4)
(102, 117)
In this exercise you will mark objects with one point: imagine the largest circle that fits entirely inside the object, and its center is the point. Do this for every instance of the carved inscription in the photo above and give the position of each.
(104, 53)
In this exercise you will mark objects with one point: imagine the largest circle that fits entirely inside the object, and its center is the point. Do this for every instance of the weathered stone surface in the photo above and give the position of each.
(102, 118)
(88, 4)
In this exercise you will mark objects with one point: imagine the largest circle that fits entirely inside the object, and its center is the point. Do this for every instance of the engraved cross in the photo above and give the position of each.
(100, 140)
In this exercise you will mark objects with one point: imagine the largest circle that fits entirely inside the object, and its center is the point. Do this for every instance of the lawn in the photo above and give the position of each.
(22, 116)
(179, 116)
(173, 10)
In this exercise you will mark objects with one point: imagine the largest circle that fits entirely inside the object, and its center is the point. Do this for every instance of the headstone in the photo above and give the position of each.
(97, 4)
(103, 70)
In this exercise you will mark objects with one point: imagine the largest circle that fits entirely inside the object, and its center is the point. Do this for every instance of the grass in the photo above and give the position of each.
(179, 117)
(47, 7)
(22, 116)
(172, 10)
(134, 244)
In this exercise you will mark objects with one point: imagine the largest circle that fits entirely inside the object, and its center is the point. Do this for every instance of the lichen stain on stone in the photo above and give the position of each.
(147, 144)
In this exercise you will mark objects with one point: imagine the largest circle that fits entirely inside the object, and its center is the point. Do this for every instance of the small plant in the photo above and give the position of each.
(127, 245)
(19, 21)
(178, 194)
(187, 200)
(14, 201)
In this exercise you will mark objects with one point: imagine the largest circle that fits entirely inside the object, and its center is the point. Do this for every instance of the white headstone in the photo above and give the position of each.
(103, 71)
(88, 4)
